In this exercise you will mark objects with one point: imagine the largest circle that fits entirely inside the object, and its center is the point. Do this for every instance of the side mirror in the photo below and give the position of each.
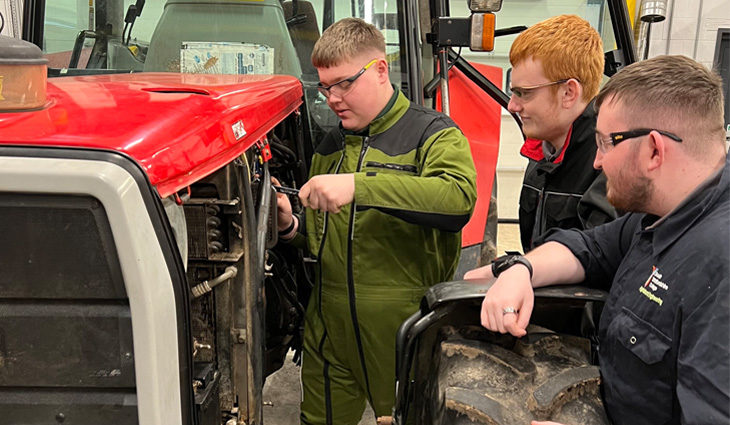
(481, 6)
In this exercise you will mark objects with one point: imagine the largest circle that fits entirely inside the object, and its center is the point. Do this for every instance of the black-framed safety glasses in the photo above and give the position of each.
(342, 87)
(618, 137)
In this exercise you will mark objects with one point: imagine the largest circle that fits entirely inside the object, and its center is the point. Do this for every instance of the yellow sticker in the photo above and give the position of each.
(1, 88)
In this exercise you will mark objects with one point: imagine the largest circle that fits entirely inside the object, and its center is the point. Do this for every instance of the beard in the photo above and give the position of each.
(629, 193)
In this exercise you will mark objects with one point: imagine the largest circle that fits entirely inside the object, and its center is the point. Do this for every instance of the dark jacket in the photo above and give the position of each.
(567, 192)
(664, 334)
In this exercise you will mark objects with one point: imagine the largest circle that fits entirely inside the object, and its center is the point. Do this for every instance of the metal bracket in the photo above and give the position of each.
(238, 336)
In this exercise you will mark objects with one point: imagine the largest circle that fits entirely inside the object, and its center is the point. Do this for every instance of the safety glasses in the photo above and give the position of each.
(614, 139)
(524, 92)
(342, 87)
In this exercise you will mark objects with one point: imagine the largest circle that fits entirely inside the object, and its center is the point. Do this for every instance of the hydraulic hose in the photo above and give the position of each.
(203, 288)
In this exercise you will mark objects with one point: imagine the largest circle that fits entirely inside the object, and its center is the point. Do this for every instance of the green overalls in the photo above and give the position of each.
(415, 188)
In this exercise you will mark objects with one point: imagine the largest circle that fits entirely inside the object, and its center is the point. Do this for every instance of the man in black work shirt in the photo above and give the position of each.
(664, 333)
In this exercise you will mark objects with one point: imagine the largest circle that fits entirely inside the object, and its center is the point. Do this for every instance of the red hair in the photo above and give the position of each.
(568, 47)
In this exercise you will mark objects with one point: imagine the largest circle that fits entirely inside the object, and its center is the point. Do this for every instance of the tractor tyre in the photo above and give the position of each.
(484, 378)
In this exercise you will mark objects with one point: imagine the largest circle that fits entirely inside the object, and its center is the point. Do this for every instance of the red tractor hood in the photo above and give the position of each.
(178, 127)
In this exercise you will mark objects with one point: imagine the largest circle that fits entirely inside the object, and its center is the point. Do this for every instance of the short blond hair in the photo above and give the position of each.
(344, 40)
(671, 93)
(568, 47)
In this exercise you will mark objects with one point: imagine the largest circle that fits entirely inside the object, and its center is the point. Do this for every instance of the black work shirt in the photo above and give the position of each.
(664, 333)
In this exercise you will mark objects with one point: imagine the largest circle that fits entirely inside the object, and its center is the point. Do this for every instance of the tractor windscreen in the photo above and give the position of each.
(209, 36)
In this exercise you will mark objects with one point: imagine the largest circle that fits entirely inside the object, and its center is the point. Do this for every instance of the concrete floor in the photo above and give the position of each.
(282, 394)
(282, 391)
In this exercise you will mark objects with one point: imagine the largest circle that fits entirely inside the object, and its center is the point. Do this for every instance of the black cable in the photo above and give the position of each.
(129, 35)
(124, 31)
(276, 143)
(290, 295)
(2, 22)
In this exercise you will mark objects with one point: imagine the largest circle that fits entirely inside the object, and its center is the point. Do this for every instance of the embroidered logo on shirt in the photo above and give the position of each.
(652, 285)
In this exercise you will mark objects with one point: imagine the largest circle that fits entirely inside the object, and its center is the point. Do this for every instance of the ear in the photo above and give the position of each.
(571, 92)
(655, 153)
(382, 69)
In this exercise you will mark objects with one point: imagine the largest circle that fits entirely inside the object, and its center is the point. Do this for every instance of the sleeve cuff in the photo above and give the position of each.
(361, 188)
(291, 231)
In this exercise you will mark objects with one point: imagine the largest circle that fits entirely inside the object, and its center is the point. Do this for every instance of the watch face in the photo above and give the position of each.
(506, 261)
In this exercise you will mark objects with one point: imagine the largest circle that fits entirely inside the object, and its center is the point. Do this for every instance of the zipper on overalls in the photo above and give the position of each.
(351, 278)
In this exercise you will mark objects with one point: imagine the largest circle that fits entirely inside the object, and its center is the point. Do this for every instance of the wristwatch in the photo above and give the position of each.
(510, 259)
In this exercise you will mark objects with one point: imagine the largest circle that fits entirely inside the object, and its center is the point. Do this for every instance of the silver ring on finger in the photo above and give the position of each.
(508, 310)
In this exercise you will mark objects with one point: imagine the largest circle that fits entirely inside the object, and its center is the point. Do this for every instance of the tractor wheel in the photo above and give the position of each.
(483, 378)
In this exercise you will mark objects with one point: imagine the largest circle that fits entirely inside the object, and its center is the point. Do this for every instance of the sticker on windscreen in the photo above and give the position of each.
(201, 57)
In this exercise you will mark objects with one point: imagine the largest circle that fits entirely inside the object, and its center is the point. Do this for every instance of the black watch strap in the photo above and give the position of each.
(506, 261)
(289, 228)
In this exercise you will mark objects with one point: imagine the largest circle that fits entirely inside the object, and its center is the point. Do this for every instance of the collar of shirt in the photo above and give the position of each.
(549, 151)
(534, 149)
(671, 226)
(388, 106)
(581, 131)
